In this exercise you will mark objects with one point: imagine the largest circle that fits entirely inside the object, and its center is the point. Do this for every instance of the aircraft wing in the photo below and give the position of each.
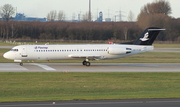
(90, 57)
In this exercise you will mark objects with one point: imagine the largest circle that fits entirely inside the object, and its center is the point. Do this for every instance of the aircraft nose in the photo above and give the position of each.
(6, 55)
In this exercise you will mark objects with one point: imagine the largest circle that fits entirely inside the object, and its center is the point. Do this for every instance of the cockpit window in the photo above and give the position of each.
(14, 50)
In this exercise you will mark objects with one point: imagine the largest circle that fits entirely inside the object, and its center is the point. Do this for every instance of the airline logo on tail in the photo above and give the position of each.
(145, 38)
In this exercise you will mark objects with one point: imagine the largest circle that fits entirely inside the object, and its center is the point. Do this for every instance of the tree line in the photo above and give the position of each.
(87, 30)
(155, 14)
(68, 30)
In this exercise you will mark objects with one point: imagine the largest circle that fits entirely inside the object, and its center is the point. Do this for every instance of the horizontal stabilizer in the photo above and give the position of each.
(156, 29)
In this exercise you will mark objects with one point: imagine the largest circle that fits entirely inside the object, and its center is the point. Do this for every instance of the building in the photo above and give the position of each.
(107, 19)
(100, 19)
(22, 17)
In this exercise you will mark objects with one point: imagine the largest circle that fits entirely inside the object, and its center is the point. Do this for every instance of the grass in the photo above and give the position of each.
(51, 86)
(6, 44)
(42, 43)
(166, 45)
(54, 86)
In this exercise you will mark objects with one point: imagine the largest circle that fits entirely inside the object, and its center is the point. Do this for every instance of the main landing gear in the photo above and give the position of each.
(86, 63)
(21, 64)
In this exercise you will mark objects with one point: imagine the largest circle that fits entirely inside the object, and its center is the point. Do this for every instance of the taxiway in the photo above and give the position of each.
(95, 67)
(100, 103)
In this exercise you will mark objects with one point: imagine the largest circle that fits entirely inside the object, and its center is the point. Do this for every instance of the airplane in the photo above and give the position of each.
(84, 52)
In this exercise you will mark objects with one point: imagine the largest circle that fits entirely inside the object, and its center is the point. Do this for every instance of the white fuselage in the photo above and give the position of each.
(68, 52)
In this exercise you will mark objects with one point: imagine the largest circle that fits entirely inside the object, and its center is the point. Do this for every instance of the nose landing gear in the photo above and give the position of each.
(21, 64)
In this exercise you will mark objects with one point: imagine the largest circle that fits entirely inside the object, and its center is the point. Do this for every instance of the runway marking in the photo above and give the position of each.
(44, 67)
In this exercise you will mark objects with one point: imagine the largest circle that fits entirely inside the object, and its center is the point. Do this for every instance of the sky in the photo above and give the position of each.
(109, 8)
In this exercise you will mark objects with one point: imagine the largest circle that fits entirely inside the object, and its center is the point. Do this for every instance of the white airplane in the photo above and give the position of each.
(84, 52)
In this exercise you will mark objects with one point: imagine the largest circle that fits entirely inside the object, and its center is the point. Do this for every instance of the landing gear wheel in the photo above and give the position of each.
(87, 63)
(21, 64)
(84, 62)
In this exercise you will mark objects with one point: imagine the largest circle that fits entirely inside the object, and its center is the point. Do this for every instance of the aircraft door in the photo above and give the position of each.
(24, 52)
(108, 50)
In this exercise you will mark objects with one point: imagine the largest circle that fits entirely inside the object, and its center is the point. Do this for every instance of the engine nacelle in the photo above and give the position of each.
(118, 51)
